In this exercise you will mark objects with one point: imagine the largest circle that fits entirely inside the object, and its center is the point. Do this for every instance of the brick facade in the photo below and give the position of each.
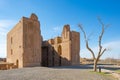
(25, 47)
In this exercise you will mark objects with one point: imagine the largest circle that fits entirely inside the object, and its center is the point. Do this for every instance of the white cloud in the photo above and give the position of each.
(57, 29)
(3, 50)
(60, 28)
(113, 45)
(6, 23)
(113, 50)
(5, 26)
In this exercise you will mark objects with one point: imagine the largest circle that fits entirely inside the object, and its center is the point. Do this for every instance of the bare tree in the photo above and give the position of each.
(101, 49)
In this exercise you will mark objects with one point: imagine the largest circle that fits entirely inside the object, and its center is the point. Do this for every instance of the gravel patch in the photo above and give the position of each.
(58, 73)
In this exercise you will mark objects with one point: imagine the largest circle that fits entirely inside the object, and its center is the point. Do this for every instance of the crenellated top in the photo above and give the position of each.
(66, 32)
(66, 28)
(34, 17)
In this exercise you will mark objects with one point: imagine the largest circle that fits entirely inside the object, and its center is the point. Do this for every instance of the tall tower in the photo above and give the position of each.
(24, 43)
(66, 45)
(75, 48)
(70, 46)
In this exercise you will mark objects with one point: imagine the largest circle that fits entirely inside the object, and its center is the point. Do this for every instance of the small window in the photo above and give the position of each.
(19, 46)
(11, 51)
(11, 40)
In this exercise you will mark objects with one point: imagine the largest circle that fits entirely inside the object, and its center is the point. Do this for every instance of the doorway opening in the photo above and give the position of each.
(45, 56)
(17, 63)
(60, 53)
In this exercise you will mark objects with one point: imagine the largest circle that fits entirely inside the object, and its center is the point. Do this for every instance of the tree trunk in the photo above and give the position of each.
(101, 50)
(95, 65)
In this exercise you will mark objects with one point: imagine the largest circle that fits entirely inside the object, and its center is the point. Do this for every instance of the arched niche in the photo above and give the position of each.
(59, 50)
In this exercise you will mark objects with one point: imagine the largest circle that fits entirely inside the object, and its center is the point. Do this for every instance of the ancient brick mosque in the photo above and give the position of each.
(26, 48)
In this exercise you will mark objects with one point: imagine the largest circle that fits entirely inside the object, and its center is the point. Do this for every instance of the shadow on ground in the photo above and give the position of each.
(73, 67)
(111, 68)
(88, 66)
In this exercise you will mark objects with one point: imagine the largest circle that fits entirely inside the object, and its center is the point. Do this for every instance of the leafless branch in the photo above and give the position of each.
(101, 35)
(85, 37)
(86, 40)
(90, 35)
(87, 46)
(101, 50)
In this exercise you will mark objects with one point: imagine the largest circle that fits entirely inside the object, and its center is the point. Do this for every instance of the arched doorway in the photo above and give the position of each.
(60, 53)
(17, 63)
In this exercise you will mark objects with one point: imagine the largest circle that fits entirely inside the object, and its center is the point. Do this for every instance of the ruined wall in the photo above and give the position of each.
(47, 54)
(24, 43)
(15, 45)
(31, 41)
(75, 48)
(57, 42)
(62, 51)
(66, 45)
(51, 52)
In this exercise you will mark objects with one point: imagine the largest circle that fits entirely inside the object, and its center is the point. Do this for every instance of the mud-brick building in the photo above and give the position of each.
(63, 50)
(24, 43)
(26, 48)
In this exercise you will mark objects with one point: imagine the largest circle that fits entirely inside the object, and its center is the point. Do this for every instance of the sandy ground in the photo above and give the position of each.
(56, 73)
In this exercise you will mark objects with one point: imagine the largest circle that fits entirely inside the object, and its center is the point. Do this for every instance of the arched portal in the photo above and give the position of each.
(17, 63)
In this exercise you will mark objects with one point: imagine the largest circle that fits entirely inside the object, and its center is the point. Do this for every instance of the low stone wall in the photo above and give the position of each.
(5, 66)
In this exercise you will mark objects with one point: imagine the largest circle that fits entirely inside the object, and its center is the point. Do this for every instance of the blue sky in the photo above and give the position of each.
(53, 14)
